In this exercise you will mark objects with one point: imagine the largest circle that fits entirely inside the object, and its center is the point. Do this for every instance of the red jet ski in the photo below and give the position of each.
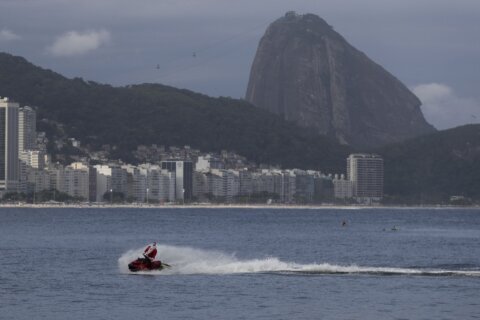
(142, 264)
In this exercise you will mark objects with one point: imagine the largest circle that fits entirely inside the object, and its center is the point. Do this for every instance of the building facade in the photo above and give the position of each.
(27, 129)
(9, 162)
(76, 181)
(183, 178)
(33, 158)
(342, 188)
(365, 171)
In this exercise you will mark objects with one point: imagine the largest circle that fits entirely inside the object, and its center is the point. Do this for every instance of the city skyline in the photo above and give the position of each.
(193, 176)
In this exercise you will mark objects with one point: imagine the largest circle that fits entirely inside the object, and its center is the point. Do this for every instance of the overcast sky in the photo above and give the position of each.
(433, 46)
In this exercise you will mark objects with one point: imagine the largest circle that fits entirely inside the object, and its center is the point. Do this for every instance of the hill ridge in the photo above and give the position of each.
(144, 114)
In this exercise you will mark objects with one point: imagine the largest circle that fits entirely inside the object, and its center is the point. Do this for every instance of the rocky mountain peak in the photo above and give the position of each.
(308, 73)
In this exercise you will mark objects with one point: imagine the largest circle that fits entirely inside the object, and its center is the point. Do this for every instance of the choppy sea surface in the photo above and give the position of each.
(241, 263)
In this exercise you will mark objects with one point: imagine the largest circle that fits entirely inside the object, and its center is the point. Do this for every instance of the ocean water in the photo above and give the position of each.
(241, 263)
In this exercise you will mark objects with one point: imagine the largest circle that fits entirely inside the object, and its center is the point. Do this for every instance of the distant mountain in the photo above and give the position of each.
(431, 168)
(306, 72)
(125, 117)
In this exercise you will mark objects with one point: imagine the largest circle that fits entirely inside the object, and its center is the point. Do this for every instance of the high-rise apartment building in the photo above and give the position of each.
(183, 178)
(9, 163)
(160, 184)
(342, 188)
(76, 181)
(110, 179)
(366, 173)
(27, 129)
(33, 158)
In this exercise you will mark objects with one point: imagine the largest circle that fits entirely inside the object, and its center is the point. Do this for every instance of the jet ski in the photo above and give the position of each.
(142, 264)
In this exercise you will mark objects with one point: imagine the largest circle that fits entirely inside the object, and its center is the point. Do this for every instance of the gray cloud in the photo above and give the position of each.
(444, 109)
(7, 35)
(75, 43)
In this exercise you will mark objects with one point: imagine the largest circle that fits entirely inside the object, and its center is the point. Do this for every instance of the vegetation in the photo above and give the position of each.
(114, 197)
(39, 197)
(433, 168)
(125, 117)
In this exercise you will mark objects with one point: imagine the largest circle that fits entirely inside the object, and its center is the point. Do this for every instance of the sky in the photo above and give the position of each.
(208, 46)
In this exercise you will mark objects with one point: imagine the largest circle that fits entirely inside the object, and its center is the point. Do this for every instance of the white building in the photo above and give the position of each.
(33, 158)
(219, 183)
(216, 185)
(205, 163)
(167, 186)
(161, 184)
(76, 180)
(224, 183)
(275, 182)
(9, 161)
(342, 188)
(110, 179)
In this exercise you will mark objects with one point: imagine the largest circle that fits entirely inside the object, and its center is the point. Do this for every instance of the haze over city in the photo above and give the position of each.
(432, 46)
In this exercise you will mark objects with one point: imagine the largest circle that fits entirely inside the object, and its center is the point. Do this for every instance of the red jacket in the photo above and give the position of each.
(150, 252)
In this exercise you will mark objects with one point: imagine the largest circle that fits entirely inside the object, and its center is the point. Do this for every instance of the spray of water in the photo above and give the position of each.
(185, 260)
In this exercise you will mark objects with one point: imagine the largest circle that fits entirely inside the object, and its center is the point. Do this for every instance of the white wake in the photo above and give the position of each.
(189, 261)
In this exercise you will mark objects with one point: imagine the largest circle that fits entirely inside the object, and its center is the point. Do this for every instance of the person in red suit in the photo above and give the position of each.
(150, 253)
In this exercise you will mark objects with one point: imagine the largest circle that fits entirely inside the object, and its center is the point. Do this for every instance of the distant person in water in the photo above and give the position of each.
(344, 223)
(150, 253)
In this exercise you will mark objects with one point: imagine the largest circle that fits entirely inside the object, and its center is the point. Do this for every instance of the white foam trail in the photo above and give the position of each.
(185, 260)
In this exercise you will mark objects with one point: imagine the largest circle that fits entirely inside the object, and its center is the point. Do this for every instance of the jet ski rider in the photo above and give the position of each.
(150, 253)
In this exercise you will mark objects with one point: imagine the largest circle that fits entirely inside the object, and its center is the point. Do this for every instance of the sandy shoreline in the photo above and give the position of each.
(222, 206)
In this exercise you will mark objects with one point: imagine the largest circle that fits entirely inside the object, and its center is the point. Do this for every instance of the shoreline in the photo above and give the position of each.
(224, 206)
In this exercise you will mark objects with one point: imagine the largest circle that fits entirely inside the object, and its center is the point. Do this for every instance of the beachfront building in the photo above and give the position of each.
(263, 182)
(287, 186)
(343, 188)
(365, 171)
(76, 181)
(225, 184)
(160, 183)
(37, 180)
(33, 158)
(245, 181)
(304, 186)
(9, 161)
(183, 170)
(103, 181)
(136, 183)
(218, 184)
(200, 185)
(110, 179)
(324, 188)
(27, 129)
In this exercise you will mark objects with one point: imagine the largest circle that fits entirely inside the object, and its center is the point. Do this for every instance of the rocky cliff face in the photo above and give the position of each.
(309, 74)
